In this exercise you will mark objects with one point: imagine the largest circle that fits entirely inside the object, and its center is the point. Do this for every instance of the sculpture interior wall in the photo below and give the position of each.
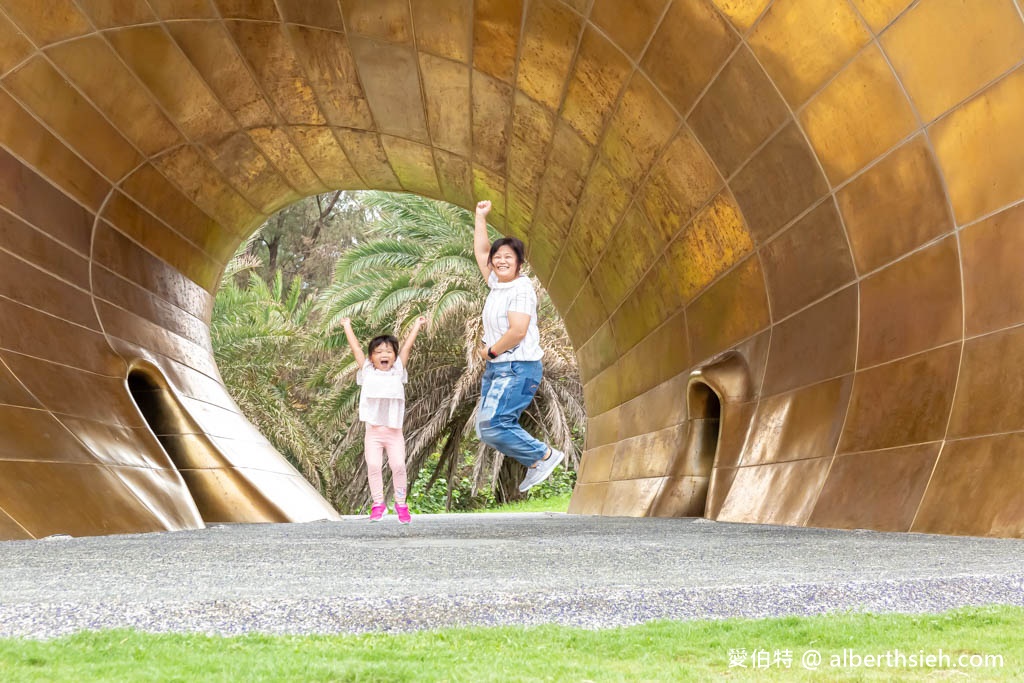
(786, 238)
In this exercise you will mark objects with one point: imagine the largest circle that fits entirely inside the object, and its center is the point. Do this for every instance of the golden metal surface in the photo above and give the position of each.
(742, 13)
(945, 50)
(550, 35)
(600, 72)
(858, 116)
(413, 165)
(588, 499)
(99, 73)
(491, 102)
(319, 13)
(790, 163)
(41, 88)
(880, 490)
(597, 354)
(447, 89)
(992, 260)
(778, 493)
(804, 43)
(183, 9)
(638, 315)
(740, 110)
(329, 66)
(729, 311)
(711, 244)
(112, 13)
(654, 409)
(443, 27)
(628, 25)
(24, 136)
(47, 22)
(807, 261)
(586, 314)
(985, 402)
(365, 152)
(14, 47)
(633, 247)
(682, 181)
(650, 455)
(211, 50)
(817, 343)
(646, 365)
(689, 46)
(496, 27)
(981, 476)
(600, 208)
(912, 305)
(880, 414)
(796, 425)
(533, 127)
(773, 228)
(202, 182)
(643, 123)
(631, 497)
(895, 206)
(978, 146)
(456, 177)
(880, 13)
(386, 20)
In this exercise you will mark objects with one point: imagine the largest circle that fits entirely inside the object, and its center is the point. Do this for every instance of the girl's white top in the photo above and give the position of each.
(516, 296)
(382, 399)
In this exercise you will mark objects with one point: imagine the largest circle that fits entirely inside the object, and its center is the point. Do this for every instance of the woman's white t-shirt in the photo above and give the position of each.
(382, 399)
(517, 296)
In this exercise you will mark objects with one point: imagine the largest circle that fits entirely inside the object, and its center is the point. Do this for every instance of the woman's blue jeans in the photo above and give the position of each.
(508, 388)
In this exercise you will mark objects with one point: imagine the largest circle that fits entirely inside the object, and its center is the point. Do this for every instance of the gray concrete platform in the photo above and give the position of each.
(486, 569)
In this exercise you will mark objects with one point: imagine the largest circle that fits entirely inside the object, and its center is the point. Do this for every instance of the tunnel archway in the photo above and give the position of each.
(686, 488)
(219, 491)
(705, 409)
(830, 189)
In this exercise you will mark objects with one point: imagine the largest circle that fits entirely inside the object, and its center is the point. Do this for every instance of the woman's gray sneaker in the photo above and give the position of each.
(543, 470)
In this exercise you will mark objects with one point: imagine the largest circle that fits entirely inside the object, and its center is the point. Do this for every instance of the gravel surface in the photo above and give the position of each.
(486, 569)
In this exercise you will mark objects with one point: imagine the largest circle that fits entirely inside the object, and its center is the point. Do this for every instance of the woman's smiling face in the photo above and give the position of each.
(505, 263)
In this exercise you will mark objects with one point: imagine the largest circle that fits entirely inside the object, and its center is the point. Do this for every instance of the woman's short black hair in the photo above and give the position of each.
(513, 243)
(383, 339)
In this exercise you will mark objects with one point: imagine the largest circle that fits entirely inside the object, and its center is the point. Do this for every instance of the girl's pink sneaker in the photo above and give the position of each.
(378, 511)
(403, 513)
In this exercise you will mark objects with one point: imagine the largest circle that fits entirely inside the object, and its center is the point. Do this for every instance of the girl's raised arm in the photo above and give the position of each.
(353, 343)
(481, 243)
(407, 344)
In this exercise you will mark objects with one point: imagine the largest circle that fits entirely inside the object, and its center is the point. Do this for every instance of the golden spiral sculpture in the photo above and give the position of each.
(787, 239)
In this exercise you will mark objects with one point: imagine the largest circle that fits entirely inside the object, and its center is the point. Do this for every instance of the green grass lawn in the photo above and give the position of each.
(659, 651)
(553, 504)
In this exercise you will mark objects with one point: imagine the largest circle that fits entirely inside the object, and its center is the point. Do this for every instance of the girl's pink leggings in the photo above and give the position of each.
(378, 440)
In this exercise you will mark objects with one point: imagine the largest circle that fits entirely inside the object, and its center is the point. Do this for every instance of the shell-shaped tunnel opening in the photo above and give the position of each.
(220, 493)
(705, 410)
(684, 492)
(829, 192)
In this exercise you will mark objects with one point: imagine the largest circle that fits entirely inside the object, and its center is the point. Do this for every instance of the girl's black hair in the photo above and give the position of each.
(513, 243)
(383, 339)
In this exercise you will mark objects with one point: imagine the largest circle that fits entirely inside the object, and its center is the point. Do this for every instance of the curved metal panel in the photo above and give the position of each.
(828, 191)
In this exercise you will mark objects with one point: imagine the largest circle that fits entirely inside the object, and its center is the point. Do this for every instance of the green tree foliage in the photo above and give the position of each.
(306, 238)
(285, 360)
(264, 343)
(418, 260)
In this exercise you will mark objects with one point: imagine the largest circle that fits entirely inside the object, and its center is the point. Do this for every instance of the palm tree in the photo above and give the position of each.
(419, 260)
(264, 343)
